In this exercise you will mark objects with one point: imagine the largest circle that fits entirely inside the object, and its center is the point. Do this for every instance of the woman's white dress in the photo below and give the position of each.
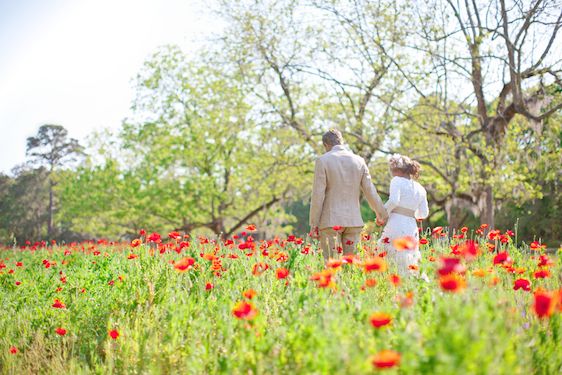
(409, 194)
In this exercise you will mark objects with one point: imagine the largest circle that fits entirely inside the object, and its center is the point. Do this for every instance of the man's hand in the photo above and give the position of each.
(380, 222)
(314, 233)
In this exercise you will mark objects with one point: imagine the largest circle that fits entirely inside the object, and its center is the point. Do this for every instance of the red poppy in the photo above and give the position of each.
(244, 310)
(337, 228)
(209, 286)
(502, 258)
(380, 319)
(536, 245)
(174, 235)
(349, 259)
(249, 294)
(544, 261)
(374, 264)
(58, 304)
(464, 229)
(542, 274)
(251, 228)
(154, 237)
(451, 265)
(522, 284)
(544, 304)
(404, 243)
(184, 264)
(114, 334)
(469, 249)
(493, 234)
(136, 242)
(282, 273)
(452, 283)
(13, 350)
(132, 256)
(437, 231)
(395, 280)
(385, 359)
(60, 331)
(423, 241)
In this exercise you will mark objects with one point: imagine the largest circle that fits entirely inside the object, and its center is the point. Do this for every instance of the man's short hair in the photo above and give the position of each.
(332, 137)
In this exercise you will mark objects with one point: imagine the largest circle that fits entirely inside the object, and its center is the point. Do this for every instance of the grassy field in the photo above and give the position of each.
(194, 306)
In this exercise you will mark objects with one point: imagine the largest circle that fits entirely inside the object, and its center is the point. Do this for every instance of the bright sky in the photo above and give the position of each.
(71, 62)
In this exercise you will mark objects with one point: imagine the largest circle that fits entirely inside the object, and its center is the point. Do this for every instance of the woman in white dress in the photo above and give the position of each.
(406, 203)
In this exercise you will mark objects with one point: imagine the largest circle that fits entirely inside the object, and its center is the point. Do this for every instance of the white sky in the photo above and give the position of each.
(71, 62)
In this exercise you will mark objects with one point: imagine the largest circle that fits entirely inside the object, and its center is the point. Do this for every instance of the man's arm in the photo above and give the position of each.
(373, 198)
(318, 195)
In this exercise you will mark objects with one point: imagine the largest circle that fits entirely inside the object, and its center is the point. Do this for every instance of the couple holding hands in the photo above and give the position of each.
(335, 216)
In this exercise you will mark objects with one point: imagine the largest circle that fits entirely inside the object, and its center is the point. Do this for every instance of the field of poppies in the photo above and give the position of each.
(178, 304)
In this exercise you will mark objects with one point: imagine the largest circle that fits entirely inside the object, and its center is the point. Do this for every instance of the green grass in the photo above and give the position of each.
(169, 323)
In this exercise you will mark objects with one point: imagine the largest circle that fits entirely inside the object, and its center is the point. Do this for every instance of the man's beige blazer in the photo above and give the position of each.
(339, 178)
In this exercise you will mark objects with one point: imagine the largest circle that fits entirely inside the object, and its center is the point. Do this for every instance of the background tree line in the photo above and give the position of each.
(471, 89)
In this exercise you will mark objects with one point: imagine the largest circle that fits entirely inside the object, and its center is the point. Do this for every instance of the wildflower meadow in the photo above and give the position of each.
(183, 305)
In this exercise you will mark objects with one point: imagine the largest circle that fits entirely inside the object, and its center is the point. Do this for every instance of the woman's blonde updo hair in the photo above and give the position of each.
(405, 165)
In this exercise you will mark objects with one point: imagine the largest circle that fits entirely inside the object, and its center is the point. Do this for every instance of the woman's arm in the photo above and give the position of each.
(394, 197)
(423, 210)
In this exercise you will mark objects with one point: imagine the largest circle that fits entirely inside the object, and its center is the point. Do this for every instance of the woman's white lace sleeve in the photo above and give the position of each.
(394, 198)
(423, 210)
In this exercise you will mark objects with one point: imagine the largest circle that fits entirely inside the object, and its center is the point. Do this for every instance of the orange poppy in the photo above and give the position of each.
(452, 282)
(259, 268)
(404, 243)
(479, 272)
(386, 359)
(380, 319)
(324, 279)
(374, 264)
(249, 294)
(184, 264)
(334, 263)
(251, 228)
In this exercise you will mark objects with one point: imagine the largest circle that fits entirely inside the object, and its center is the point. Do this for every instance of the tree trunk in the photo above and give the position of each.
(455, 214)
(487, 207)
(50, 217)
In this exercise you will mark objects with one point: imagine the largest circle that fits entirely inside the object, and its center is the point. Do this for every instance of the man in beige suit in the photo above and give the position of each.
(339, 178)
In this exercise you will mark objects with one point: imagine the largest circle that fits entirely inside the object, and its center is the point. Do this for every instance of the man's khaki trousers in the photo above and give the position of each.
(347, 238)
